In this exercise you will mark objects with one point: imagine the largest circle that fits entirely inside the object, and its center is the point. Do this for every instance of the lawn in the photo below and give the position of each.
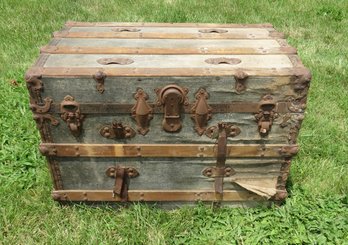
(316, 211)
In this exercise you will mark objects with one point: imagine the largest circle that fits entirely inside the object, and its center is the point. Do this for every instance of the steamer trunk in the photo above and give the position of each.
(168, 113)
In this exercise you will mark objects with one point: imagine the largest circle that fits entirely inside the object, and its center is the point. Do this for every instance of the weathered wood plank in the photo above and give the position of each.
(155, 24)
(251, 32)
(166, 150)
(176, 51)
(168, 61)
(166, 44)
(154, 195)
(78, 72)
(154, 35)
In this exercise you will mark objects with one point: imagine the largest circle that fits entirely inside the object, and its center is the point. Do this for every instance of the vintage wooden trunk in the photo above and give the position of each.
(168, 113)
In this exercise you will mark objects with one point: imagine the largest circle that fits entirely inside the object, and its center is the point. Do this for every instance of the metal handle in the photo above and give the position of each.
(115, 61)
(123, 29)
(223, 61)
(213, 30)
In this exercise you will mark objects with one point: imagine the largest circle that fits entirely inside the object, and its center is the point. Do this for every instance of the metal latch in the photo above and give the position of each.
(201, 111)
(122, 176)
(266, 114)
(117, 130)
(142, 112)
(71, 114)
(172, 98)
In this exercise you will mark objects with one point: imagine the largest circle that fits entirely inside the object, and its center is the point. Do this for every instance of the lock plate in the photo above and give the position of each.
(172, 98)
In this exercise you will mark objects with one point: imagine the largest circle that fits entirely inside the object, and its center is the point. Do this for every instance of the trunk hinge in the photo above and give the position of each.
(122, 176)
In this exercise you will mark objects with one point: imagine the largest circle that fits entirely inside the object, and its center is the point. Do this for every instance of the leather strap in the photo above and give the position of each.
(221, 160)
(121, 184)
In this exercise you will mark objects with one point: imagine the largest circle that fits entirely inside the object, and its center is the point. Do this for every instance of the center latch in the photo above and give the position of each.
(172, 98)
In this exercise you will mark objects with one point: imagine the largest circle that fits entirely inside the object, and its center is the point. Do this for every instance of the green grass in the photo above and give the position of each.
(316, 211)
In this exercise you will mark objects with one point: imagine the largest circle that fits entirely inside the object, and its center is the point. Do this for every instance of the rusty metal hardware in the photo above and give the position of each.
(40, 107)
(213, 172)
(117, 130)
(35, 87)
(172, 98)
(221, 160)
(231, 131)
(71, 114)
(201, 111)
(294, 121)
(289, 150)
(125, 29)
(115, 61)
(122, 176)
(266, 115)
(47, 150)
(301, 83)
(240, 78)
(142, 112)
(213, 30)
(223, 61)
(40, 112)
(99, 77)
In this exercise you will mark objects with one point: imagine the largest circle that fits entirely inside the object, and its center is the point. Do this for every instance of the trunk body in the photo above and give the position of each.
(168, 113)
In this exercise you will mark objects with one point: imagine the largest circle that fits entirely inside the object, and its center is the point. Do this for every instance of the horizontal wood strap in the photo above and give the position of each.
(176, 51)
(153, 195)
(158, 35)
(164, 72)
(165, 150)
(155, 24)
(235, 107)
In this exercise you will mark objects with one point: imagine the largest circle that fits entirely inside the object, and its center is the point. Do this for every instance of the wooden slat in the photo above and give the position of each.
(164, 72)
(110, 108)
(154, 35)
(165, 150)
(155, 24)
(153, 195)
(176, 51)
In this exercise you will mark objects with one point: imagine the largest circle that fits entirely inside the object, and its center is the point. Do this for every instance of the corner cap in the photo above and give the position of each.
(304, 74)
(31, 75)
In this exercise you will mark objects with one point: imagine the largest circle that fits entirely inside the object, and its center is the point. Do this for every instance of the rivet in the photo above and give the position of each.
(85, 196)
(138, 151)
(141, 198)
